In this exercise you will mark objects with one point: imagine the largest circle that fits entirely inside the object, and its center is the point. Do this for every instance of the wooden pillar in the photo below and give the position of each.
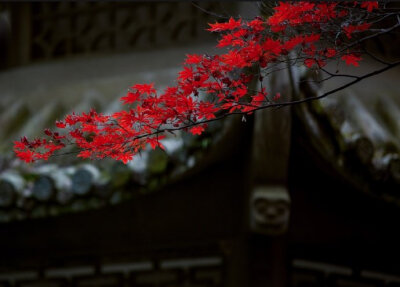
(269, 201)
(236, 257)
(267, 264)
(256, 260)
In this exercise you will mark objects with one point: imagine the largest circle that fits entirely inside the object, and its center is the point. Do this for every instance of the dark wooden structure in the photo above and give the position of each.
(337, 236)
(195, 231)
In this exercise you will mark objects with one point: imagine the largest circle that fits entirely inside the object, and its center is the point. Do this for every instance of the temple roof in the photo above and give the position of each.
(357, 130)
(65, 184)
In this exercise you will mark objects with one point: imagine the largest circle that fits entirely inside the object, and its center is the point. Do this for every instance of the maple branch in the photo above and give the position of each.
(358, 79)
(209, 12)
(284, 104)
(271, 105)
(369, 37)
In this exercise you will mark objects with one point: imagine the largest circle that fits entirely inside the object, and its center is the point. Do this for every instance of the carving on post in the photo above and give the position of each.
(270, 210)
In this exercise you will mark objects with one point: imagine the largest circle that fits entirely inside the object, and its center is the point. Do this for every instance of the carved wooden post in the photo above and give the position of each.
(269, 203)
(257, 257)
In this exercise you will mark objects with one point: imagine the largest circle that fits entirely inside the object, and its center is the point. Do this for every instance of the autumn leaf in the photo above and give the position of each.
(144, 88)
(193, 59)
(60, 124)
(197, 130)
(130, 98)
(350, 29)
(351, 59)
(230, 25)
(330, 52)
(369, 5)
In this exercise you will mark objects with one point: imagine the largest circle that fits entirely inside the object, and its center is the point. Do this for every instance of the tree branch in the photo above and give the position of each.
(271, 105)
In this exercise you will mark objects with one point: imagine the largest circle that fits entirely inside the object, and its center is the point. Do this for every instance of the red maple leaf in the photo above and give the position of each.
(370, 5)
(351, 59)
(350, 29)
(330, 52)
(197, 130)
(230, 25)
(60, 124)
(27, 155)
(193, 59)
(144, 88)
(130, 98)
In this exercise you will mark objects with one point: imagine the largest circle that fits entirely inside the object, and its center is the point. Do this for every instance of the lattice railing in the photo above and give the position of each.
(188, 272)
(321, 274)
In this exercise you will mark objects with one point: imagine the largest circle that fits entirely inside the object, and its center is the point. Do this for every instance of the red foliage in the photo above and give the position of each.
(351, 59)
(370, 5)
(305, 28)
(350, 29)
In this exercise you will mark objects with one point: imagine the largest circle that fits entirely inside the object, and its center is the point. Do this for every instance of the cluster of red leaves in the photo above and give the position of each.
(207, 85)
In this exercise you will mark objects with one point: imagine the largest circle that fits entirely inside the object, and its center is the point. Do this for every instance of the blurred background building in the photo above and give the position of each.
(307, 196)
